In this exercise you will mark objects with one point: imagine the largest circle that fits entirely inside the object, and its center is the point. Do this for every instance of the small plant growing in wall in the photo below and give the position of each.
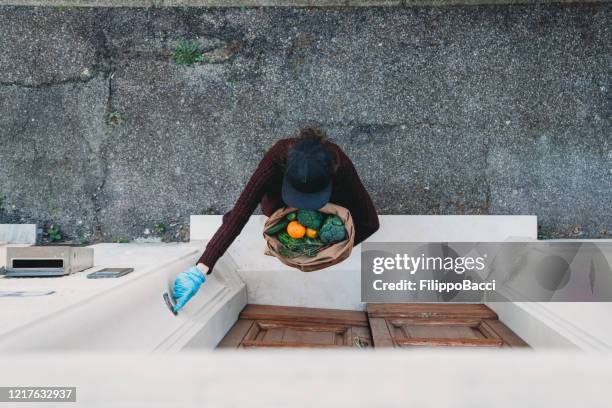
(115, 119)
(121, 240)
(54, 234)
(544, 233)
(159, 228)
(188, 53)
(208, 211)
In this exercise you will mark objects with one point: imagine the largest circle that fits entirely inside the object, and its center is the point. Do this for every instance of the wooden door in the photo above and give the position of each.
(432, 324)
(297, 327)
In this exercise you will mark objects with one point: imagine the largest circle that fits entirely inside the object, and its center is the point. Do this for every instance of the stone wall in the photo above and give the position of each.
(450, 110)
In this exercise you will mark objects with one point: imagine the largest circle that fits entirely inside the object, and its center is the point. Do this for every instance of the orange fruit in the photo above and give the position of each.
(311, 233)
(296, 230)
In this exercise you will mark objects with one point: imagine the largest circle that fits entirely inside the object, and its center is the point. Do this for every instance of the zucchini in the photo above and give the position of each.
(291, 216)
(278, 227)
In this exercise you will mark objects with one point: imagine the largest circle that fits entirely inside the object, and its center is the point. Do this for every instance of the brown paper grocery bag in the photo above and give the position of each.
(328, 256)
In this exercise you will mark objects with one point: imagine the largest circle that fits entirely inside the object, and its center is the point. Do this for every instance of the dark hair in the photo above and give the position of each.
(312, 132)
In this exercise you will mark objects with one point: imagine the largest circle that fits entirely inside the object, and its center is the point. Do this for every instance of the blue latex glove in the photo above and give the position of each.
(186, 285)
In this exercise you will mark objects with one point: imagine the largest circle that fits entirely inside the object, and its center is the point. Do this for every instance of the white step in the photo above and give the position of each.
(266, 378)
(18, 233)
(271, 282)
(126, 313)
(573, 325)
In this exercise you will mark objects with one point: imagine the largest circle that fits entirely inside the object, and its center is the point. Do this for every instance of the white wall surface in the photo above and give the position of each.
(18, 233)
(315, 378)
(569, 325)
(271, 282)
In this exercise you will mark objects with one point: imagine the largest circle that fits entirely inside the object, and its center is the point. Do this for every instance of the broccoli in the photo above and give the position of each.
(310, 218)
(332, 230)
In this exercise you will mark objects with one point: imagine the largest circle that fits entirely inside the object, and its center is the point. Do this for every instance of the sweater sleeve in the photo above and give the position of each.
(358, 201)
(237, 217)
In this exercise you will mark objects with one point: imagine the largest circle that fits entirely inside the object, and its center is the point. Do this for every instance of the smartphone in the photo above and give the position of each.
(110, 273)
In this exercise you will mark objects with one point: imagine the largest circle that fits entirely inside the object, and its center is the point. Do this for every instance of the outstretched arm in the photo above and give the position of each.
(235, 219)
(188, 283)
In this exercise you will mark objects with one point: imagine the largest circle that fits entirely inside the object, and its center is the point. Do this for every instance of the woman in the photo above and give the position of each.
(305, 172)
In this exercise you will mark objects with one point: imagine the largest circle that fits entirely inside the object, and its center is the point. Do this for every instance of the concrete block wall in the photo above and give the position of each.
(274, 3)
(449, 110)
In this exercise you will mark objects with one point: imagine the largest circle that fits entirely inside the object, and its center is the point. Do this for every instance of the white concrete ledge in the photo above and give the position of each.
(268, 281)
(127, 313)
(18, 233)
(559, 325)
(406, 228)
(313, 378)
(546, 325)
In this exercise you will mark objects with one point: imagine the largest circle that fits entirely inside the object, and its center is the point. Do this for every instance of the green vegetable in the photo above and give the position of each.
(332, 230)
(278, 227)
(288, 253)
(310, 218)
(287, 240)
(334, 219)
(312, 241)
(294, 247)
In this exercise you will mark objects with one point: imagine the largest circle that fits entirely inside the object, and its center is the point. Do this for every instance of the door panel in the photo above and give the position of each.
(435, 325)
(388, 325)
(292, 327)
(265, 333)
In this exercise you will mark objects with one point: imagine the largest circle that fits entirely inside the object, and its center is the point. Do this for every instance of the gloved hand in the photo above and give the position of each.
(186, 285)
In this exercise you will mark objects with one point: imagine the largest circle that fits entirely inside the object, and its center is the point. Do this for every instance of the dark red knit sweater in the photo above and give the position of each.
(264, 187)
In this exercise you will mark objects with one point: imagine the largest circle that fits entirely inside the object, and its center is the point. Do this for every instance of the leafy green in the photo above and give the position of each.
(294, 247)
(188, 53)
(332, 230)
(310, 218)
(54, 234)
